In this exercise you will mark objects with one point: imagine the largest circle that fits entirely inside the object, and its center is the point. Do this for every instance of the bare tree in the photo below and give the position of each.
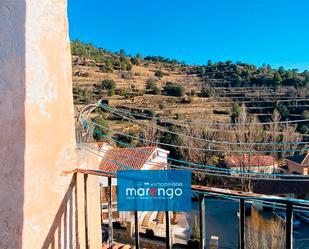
(264, 234)
(150, 133)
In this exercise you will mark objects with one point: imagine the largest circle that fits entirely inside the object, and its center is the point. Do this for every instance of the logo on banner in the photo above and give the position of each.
(154, 190)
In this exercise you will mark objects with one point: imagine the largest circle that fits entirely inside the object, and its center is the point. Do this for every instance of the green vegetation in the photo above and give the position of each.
(207, 92)
(109, 61)
(174, 89)
(215, 79)
(304, 129)
(121, 91)
(305, 114)
(88, 51)
(241, 74)
(173, 139)
(128, 140)
(159, 74)
(135, 61)
(107, 67)
(284, 111)
(161, 59)
(151, 84)
(235, 112)
(109, 86)
(156, 90)
(99, 120)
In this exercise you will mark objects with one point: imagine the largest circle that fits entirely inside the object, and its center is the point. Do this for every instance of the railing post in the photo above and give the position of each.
(167, 230)
(110, 213)
(86, 211)
(136, 231)
(289, 226)
(241, 224)
(202, 215)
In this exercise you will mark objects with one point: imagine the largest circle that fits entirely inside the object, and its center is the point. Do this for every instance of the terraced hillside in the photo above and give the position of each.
(207, 92)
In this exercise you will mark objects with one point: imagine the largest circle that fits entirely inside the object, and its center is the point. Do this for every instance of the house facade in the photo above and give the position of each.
(298, 164)
(252, 163)
(114, 159)
(139, 158)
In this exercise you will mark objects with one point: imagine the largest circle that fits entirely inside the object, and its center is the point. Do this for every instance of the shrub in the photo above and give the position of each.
(235, 112)
(108, 85)
(304, 129)
(306, 114)
(126, 75)
(81, 74)
(156, 91)
(88, 51)
(121, 91)
(128, 140)
(135, 61)
(207, 92)
(151, 84)
(111, 92)
(130, 95)
(174, 89)
(209, 63)
(126, 66)
(284, 111)
(160, 59)
(161, 106)
(173, 139)
(277, 79)
(107, 67)
(149, 113)
(99, 131)
(159, 74)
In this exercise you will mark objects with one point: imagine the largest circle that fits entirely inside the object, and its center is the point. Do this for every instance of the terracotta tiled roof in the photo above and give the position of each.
(247, 160)
(112, 156)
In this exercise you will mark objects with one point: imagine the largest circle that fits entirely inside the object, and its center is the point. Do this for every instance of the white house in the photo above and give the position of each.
(252, 163)
(139, 158)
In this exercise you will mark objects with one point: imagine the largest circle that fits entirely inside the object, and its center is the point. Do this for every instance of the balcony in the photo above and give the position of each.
(131, 231)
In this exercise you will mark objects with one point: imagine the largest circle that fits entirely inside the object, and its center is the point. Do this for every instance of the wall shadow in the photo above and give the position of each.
(12, 122)
(64, 229)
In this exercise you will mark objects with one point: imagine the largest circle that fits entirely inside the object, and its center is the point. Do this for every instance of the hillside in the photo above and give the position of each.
(205, 91)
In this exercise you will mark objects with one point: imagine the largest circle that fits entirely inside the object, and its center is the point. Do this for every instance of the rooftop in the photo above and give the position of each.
(114, 158)
(300, 159)
(247, 160)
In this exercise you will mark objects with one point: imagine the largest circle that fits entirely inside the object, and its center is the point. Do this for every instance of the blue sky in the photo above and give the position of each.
(274, 32)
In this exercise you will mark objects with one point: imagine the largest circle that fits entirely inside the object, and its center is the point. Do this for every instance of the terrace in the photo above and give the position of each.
(287, 205)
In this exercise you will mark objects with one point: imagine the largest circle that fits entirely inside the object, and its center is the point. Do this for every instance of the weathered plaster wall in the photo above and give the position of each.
(12, 122)
(39, 207)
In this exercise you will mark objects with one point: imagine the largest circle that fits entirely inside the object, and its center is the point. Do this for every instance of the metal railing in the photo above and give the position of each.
(288, 203)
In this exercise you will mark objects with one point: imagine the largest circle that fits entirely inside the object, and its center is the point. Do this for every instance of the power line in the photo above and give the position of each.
(192, 148)
(199, 171)
(210, 123)
(252, 197)
(202, 139)
(205, 168)
(220, 194)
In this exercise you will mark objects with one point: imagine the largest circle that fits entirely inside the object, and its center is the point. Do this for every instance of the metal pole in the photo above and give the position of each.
(202, 214)
(110, 213)
(86, 211)
(167, 230)
(136, 232)
(241, 224)
(289, 226)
